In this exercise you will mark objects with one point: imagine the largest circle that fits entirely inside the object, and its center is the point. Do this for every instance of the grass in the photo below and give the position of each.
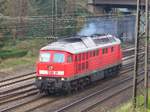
(13, 63)
(32, 47)
(127, 107)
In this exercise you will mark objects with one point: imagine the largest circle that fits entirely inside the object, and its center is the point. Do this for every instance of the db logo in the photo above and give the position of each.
(50, 67)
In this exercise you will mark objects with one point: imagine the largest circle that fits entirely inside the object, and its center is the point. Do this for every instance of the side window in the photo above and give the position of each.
(112, 49)
(83, 66)
(69, 59)
(90, 53)
(79, 57)
(86, 65)
(76, 58)
(94, 53)
(87, 55)
(103, 51)
(97, 52)
(106, 50)
(119, 47)
(83, 56)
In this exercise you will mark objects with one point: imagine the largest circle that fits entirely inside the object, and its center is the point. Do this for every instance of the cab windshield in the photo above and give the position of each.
(45, 57)
(52, 57)
(58, 58)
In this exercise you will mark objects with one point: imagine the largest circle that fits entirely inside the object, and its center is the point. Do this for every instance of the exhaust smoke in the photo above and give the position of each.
(90, 29)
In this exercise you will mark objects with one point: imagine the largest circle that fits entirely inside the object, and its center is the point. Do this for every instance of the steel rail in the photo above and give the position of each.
(77, 102)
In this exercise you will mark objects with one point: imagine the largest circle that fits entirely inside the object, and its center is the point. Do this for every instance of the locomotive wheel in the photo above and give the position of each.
(74, 86)
(81, 84)
(48, 92)
(69, 89)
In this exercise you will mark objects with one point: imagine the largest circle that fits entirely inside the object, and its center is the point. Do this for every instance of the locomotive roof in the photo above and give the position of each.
(80, 44)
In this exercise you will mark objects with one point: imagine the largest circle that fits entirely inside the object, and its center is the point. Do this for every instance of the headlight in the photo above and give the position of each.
(62, 79)
(40, 78)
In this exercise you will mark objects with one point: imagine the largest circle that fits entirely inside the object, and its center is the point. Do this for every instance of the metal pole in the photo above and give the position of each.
(136, 55)
(52, 17)
(56, 17)
(146, 54)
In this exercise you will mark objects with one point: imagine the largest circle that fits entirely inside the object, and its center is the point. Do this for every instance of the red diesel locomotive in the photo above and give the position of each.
(74, 62)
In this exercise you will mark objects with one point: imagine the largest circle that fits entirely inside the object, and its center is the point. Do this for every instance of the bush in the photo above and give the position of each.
(1, 44)
(11, 54)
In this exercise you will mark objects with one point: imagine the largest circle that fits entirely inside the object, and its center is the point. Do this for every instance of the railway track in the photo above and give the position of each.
(30, 100)
(16, 88)
(30, 109)
(6, 90)
(20, 90)
(40, 106)
(13, 79)
(87, 103)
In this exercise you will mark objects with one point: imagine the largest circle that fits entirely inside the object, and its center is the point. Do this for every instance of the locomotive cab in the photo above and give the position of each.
(53, 63)
(52, 68)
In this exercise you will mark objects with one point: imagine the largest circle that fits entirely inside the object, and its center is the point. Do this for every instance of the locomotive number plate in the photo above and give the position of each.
(56, 72)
